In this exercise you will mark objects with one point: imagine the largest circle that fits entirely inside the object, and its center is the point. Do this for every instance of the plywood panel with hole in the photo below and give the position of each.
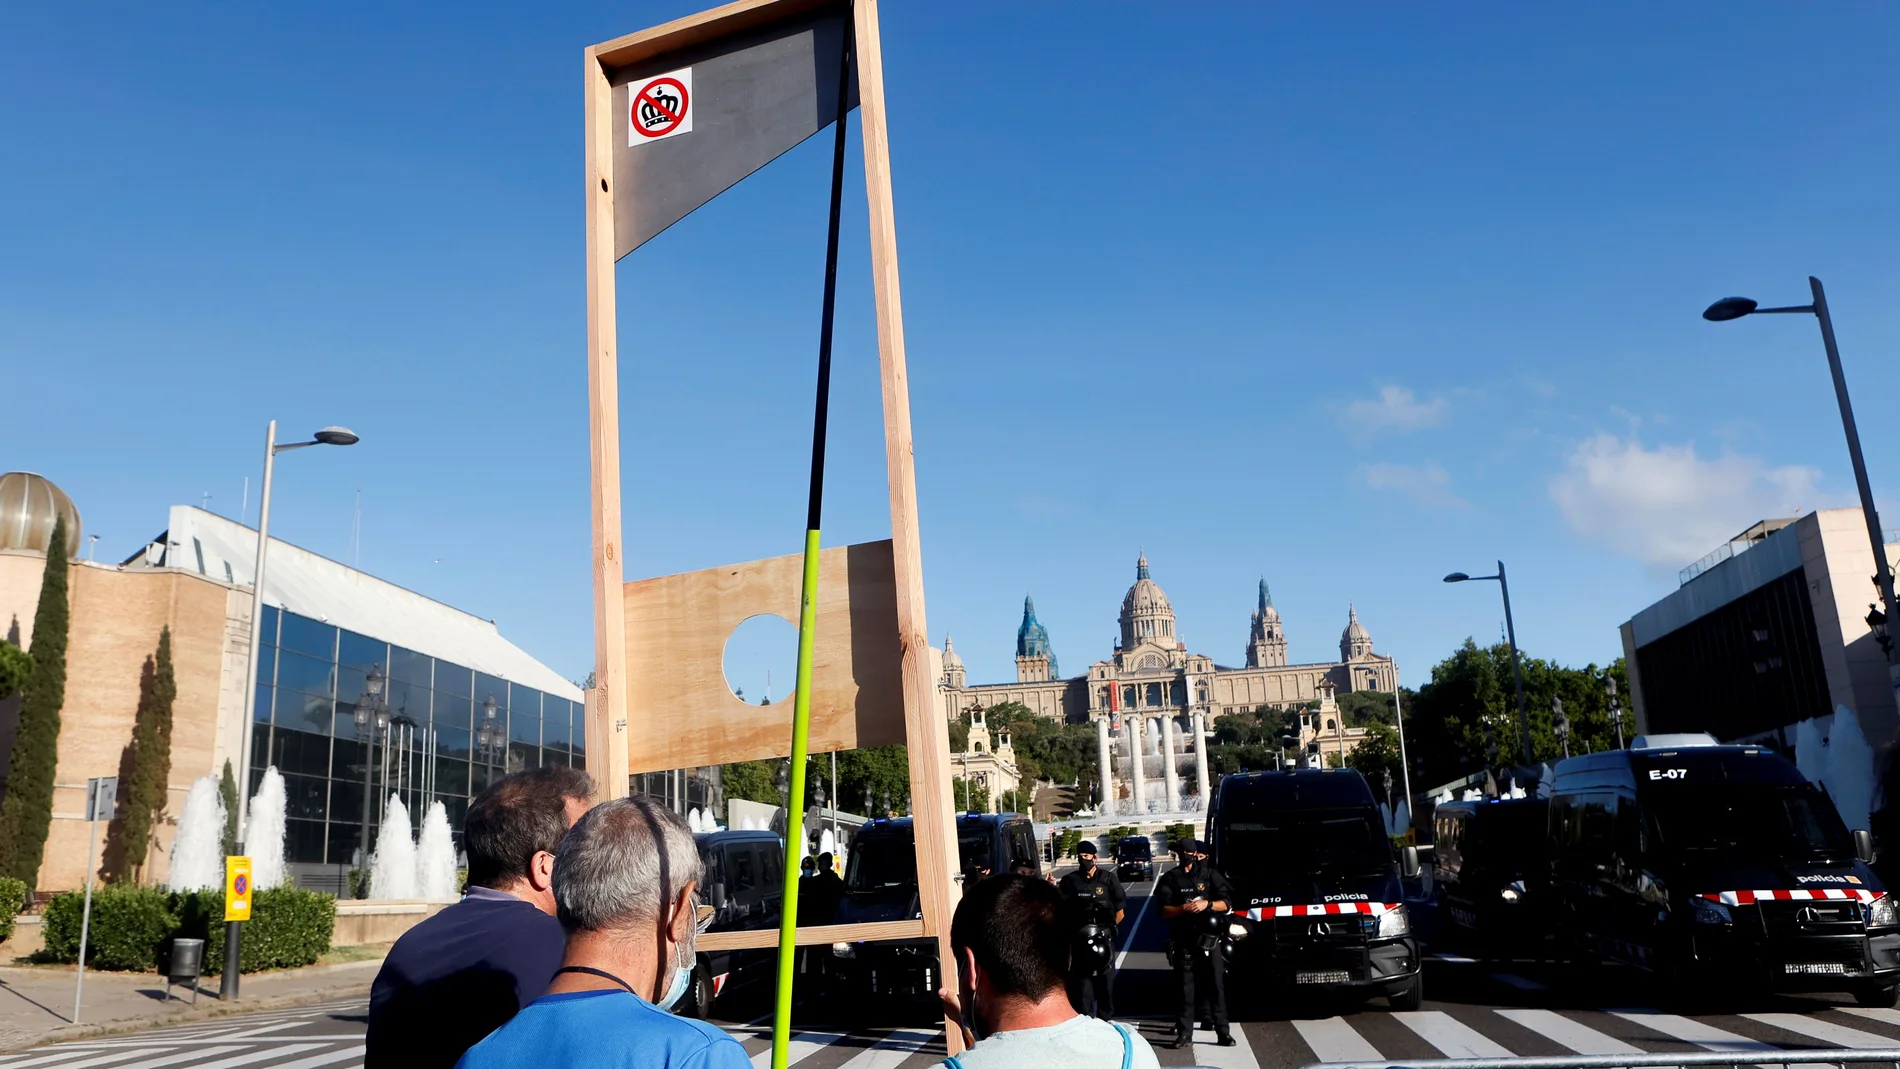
(682, 713)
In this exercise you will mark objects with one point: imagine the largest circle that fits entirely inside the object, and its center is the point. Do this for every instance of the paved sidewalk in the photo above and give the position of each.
(36, 1004)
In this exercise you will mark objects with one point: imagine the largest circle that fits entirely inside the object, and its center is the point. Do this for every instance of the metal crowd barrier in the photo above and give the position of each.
(1772, 1056)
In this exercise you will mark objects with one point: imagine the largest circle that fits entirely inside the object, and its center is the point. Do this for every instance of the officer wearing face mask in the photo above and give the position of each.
(626, 882)
(1095, 896)
(1194, 898)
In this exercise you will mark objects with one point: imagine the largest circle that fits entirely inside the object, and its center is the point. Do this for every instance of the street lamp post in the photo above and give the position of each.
(1510, 633)
(1560, 723)
(1735, 308)
(234, 930)
(372, 719)
(1616, 707)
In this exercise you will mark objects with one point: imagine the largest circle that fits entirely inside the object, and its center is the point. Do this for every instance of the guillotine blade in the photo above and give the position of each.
(750, 98)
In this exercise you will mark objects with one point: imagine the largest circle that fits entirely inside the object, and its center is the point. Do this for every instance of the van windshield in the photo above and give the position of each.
(1291, 847)
(1134, 848)
(1786, 822)
(883, 862)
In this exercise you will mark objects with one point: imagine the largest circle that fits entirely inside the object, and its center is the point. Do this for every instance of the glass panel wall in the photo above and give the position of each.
(429, 748)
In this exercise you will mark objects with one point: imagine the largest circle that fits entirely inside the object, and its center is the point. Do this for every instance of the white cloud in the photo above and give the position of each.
(1427, 484)
(1666, 506)
(1395, 409)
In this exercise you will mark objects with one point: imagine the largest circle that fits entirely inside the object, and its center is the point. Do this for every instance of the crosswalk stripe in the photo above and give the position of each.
(255, 1056)
(169, 1059)
(1331, 1039)
(1706, 1036)
(1569, 1033)
(278, 1027)
(326, 1058)
(1875, 1013)
(802, 1046)
(1209, 1053)
(1452, 1037)
(104, 1059)
(891, 1051)
(1825, 1031)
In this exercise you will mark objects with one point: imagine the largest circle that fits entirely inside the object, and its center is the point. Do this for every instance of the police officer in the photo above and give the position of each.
(1192, 897)
(1098, 894)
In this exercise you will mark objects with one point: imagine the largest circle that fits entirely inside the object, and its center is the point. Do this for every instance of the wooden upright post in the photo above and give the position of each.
(929, 743)
(603, 429)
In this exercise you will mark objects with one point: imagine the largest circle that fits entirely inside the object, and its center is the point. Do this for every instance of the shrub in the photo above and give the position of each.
(12, 900)
(129, 927)
(288, 927)
(132, 927)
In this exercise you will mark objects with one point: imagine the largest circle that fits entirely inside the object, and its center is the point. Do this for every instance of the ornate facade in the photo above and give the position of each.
(1152, 672)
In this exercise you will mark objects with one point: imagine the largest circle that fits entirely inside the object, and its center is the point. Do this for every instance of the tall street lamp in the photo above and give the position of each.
(1510, 632)
(491, 738)
(372, 720)
(233, 930)
(1735, 308)
(1616, 706)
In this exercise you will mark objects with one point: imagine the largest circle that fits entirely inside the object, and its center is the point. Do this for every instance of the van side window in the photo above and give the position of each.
(1594, 837)
(743, 878)
(772, 872)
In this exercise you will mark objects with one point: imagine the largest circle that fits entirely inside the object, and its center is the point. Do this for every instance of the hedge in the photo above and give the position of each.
(12, 900)
(129, 926)
(288, 927)
(132, 927)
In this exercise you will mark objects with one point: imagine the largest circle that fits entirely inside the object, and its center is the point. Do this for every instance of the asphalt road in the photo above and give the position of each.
(1472, 1009)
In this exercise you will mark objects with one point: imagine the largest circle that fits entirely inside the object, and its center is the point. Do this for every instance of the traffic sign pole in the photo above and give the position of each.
(102, 794)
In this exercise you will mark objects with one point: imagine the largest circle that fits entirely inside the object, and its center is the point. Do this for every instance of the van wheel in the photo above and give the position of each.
(1881, 995)
(1410, 997)
(699, 998)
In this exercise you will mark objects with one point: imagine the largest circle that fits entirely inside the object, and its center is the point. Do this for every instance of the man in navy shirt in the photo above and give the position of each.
(626, 881)
(466, 971)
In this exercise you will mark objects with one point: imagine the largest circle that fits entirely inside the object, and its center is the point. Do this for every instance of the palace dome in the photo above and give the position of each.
(1146, 614)
(29, 505)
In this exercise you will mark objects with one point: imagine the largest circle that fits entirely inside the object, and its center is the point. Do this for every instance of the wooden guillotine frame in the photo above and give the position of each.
(661, 700)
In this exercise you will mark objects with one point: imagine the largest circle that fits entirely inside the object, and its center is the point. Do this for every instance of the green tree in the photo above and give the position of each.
(26, 813)
(1376, 756)
(151, 755)
(751, 781)
(976, 801)
(227, 792)
(16, 667)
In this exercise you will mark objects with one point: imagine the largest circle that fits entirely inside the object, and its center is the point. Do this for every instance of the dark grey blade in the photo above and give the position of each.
(754, 96)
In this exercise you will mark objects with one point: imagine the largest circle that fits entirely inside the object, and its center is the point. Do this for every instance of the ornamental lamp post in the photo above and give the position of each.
(1560, 724)
(372, 720)
(1616, 707)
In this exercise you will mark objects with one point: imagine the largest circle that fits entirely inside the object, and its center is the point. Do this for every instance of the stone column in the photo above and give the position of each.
(1101, 759)
(1134, 727)
(1170, 776)
(1200, 758)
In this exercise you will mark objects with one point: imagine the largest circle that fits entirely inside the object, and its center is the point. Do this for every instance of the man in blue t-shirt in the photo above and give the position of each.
(626, 880)
(464, 972)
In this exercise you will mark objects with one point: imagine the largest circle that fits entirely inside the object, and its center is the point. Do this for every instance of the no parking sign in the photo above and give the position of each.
(237, 888)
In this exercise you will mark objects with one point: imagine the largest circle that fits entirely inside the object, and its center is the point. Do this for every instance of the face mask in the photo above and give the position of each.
(683, 964)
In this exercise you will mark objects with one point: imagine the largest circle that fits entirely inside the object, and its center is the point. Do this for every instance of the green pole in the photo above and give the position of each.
(808, 597)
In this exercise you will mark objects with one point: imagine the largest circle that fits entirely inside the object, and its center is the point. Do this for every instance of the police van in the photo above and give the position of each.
(880, 882)
(1719, 868)
(743, 884)
(1491, 876)
(1315, 874)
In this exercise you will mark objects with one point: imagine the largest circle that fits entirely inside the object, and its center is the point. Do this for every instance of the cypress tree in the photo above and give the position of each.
(151, 756)
(227, 790)
(27, 811)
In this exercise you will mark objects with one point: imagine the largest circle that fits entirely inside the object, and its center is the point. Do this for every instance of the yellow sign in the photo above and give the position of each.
(237, 888)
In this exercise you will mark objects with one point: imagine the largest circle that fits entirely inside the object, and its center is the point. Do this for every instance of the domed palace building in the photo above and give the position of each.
(357, 677)
(1152, 671)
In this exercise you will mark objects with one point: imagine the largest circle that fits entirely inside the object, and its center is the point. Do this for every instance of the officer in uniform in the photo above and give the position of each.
(1192, 897)
(1097, 892)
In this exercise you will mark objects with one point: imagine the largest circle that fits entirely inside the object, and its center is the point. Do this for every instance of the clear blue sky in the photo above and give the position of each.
(1348, 296)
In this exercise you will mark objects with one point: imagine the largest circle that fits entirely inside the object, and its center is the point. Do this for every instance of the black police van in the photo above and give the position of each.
(744, 886)
(1491, 876)
(880, 883)
(1313, 870)
(1135, 859)
(1719, 868)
